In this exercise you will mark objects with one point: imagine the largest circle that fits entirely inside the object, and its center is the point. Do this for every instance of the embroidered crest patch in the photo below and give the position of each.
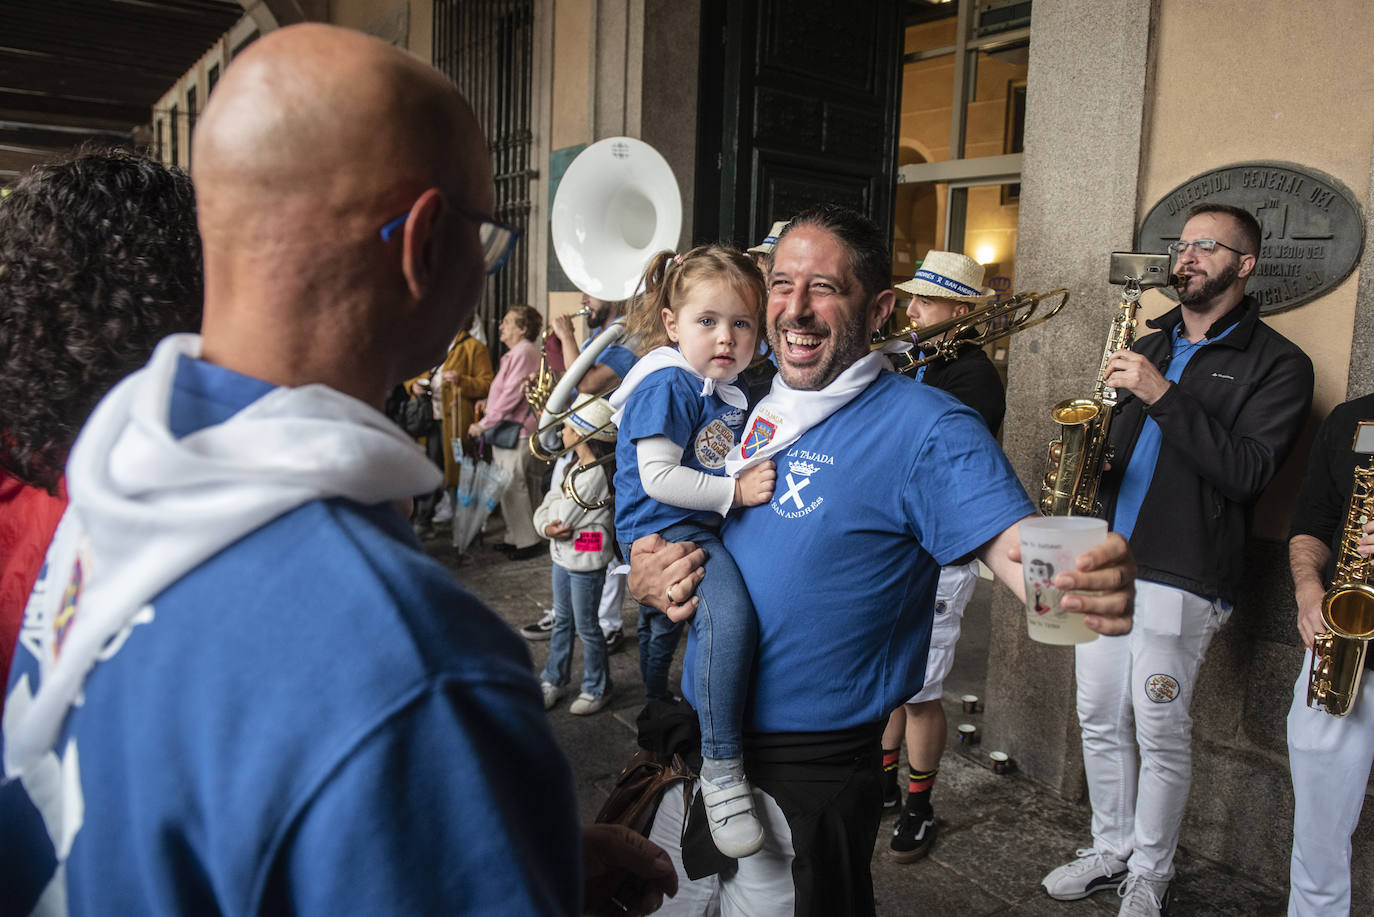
(759, 436)
(1161, 689)
(713, 444)
(940, 608)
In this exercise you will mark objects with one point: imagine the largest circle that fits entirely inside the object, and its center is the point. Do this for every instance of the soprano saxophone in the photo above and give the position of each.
(1078, 456)
(1348, 606)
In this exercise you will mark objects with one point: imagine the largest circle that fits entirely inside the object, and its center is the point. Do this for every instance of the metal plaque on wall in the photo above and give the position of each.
(1311, 228)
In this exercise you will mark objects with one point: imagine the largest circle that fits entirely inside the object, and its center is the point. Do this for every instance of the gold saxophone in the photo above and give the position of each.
(1347, 607)
(1079, 454)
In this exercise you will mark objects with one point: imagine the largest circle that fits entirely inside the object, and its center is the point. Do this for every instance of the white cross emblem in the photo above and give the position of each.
(794, 489)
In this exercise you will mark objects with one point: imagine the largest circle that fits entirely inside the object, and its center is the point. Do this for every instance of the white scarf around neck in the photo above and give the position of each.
(147, 507)
(785, 413)
(667, 358)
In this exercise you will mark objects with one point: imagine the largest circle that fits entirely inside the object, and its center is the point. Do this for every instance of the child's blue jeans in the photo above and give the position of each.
(727, 634)
(576, 597)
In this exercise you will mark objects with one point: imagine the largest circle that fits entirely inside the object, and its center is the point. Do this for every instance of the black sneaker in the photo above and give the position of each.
(913, 836)
(890, 794)
(540, 629)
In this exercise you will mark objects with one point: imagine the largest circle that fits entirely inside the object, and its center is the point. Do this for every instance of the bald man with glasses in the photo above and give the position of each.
(1214, 402)
(281, 704)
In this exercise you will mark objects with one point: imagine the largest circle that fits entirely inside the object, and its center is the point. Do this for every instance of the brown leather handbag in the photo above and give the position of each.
(639, 789)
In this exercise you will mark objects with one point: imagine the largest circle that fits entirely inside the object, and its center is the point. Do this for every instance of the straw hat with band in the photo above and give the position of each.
(770, 241)
(948, 275)
(590, 412)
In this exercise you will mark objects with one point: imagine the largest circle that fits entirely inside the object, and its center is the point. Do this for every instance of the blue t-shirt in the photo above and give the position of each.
(669, 403)
(1135, 480)
(318, 719)
(842, 563)
(616, 356)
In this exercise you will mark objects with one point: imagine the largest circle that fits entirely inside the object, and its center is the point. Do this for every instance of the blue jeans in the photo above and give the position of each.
(727, 634)
(658, 639)
(576, 597)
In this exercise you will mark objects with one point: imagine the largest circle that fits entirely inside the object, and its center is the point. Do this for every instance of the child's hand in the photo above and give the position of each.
(558, 531)
(755, 484)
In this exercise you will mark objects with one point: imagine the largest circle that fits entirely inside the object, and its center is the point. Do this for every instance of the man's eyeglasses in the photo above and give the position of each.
(498, 239)
(1202, 245)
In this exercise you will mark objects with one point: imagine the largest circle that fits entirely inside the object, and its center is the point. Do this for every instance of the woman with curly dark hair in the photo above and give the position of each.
(99, 259)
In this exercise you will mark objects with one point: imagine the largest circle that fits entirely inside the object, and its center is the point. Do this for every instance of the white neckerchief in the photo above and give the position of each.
(785, 413)
(667, 358)
(146, 508)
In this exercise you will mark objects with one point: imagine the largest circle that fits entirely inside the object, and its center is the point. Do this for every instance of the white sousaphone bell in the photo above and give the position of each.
(617, 206)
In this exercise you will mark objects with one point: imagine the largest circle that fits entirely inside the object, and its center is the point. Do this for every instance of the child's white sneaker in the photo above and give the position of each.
(730, 812)
(552, 694)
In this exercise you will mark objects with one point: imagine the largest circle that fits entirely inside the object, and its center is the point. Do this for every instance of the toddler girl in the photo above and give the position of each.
(680, 415)
(581, 548)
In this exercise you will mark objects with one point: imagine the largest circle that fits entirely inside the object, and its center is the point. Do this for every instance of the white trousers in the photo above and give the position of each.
(1134, 692)
(1330, 758)
(612, 594)
(758, 886)
(521, 497)
(952, 596)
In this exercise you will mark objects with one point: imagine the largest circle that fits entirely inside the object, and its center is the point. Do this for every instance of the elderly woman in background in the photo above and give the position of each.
(506, 422)
(455, 387)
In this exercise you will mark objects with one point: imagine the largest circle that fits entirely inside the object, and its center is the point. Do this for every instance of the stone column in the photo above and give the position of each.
(1361, 380)
(1090, 67)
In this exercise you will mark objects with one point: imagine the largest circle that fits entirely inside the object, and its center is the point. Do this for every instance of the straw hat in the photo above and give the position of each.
(948, 275)
(770, 241)
(590, 412)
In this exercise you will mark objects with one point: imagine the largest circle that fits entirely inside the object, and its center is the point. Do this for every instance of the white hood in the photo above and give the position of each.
(145, 508)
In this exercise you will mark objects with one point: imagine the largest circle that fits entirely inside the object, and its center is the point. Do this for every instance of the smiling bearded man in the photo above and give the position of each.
(841, 566)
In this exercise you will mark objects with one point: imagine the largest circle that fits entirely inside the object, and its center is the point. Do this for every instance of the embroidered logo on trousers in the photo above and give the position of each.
(1161, 688)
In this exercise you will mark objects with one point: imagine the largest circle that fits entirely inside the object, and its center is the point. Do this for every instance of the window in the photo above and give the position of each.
(190, 120)
(173, 130)
(962, 121)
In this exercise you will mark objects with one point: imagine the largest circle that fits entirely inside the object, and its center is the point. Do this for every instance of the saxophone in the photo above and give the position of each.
(1347, 607)
(1079, 454)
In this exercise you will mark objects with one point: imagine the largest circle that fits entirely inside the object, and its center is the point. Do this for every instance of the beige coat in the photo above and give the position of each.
(469, 360)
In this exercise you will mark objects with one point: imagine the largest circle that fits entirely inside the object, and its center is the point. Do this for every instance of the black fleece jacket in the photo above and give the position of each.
(1226, 425)
(971, 377)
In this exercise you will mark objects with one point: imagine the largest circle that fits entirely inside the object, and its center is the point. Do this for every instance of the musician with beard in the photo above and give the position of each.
(1215, 402)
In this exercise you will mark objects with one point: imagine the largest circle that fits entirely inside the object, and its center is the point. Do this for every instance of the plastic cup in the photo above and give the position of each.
(1049, 546)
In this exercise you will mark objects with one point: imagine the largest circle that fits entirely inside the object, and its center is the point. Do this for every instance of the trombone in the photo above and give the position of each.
(537, 392)
(557, 405)
(974, 329)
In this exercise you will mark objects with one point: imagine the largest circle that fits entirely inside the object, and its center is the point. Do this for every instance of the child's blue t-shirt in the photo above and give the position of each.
(669, 403)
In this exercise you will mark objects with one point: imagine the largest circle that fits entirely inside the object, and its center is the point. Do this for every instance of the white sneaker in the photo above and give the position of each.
(1091, 872)
(587, 704)
(443, 512)
(730, 813)
(552, 694)
(1142, 897)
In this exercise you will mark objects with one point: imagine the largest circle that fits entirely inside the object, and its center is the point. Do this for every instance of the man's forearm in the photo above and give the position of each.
(1307, 559)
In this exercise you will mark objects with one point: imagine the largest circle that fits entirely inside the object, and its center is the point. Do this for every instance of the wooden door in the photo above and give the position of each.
(798, 106)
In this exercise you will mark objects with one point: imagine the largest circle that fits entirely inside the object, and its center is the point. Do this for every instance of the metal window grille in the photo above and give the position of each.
(486, 48)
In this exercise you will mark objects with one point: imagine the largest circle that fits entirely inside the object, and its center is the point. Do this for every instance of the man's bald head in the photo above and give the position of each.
(319, 111)
(315, 137)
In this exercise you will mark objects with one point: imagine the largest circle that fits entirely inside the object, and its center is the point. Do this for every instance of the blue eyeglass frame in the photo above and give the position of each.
(486, 226)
